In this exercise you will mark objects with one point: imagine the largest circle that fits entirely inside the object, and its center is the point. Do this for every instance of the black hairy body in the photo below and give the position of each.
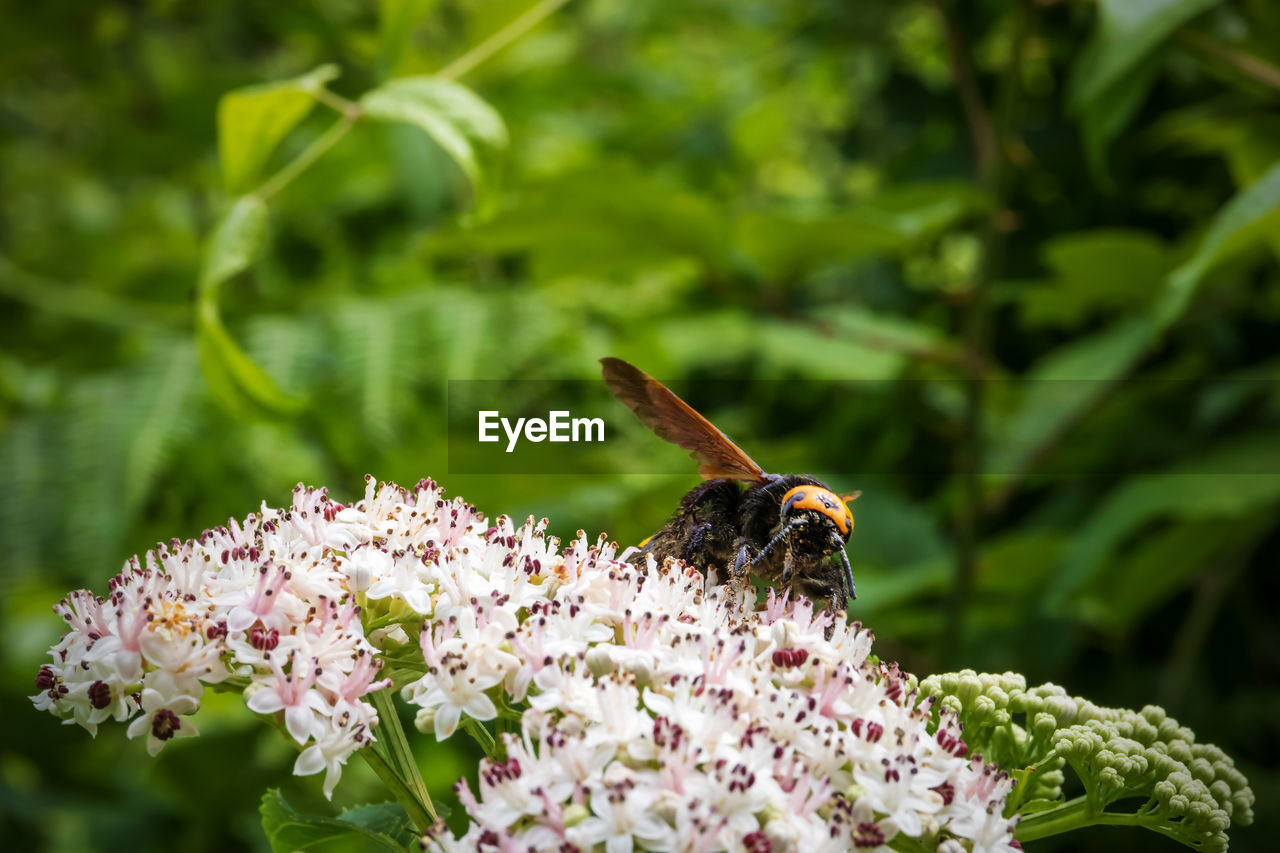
(723, 526)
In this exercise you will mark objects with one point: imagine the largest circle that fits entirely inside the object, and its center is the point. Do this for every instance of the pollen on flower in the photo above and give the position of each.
(652, 714)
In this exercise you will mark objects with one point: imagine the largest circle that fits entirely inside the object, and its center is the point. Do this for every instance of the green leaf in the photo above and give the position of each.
(883, 590)
(1058, 390)
(888, 333)
(396, 21)
(1019, 563)
(235, 380)
(1140, 578)
(893, 531)
(1112, 110)
(160, 412)
(235, 243)
(785, 349)
(784, 245)
(1095, 271)
(1215, 486)
(1126, 32)
(382, 826)
(1252, 215)
(252, 121)
(609, 221)
(462, 124)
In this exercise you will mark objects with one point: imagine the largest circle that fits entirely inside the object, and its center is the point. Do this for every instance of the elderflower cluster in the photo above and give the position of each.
(263, 607)
(640, 708)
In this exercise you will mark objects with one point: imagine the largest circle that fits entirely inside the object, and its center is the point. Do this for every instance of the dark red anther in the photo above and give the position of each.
(165, 724)
(45, 679)
(263, 639)
(867, 835)
(99, 694)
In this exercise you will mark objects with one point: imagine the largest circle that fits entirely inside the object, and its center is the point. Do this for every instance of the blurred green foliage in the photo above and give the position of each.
(1042, 234)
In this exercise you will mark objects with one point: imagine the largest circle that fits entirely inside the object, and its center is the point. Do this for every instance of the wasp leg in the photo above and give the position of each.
(737, 580)
(776, 540)
(839, 600)
(788, 566)
(697, 542)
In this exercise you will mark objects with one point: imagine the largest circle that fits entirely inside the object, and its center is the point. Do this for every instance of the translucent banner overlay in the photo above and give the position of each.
(1053, 428)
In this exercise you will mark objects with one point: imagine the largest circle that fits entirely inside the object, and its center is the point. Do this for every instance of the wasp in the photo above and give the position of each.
(786, 529)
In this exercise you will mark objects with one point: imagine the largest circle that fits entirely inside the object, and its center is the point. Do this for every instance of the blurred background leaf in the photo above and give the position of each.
(1008, 268)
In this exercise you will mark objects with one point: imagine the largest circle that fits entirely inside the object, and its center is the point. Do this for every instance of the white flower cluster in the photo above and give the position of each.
(652, 712)
(262, 606)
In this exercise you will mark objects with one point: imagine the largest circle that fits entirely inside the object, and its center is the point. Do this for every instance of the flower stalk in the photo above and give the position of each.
(401, 759)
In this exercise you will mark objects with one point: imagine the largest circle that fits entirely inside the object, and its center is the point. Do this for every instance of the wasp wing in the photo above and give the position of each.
(674, 420)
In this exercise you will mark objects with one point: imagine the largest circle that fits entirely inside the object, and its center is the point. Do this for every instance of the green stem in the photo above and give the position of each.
(482, 735)
(1024, 784)
(499, 40)
(1078, 813)
(1253, 67)
(392, 735)
(336, 102)
(1072, 814)
(422, 816)
(313, 152)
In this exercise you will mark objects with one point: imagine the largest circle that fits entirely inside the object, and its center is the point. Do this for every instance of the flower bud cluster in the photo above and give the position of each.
(1193, 791)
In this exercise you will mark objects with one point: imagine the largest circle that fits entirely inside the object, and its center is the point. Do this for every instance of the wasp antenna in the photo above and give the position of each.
(850, 497)
(848, 570)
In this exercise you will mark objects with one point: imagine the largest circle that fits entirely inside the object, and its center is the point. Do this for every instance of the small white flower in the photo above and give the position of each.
(291, 692)
(453, 689)
(162, 719)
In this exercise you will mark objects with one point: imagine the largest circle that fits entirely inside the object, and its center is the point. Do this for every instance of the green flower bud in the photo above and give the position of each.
(576, 814)
(969, 687)
(425, 721)
(599, 661)
(1013, 681)
(1202, 770)
(1043, 725)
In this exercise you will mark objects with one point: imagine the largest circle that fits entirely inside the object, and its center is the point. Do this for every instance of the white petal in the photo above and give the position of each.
(481, 707)
(264, 701)
(446, 721)
(300, 721)
(310, 761)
